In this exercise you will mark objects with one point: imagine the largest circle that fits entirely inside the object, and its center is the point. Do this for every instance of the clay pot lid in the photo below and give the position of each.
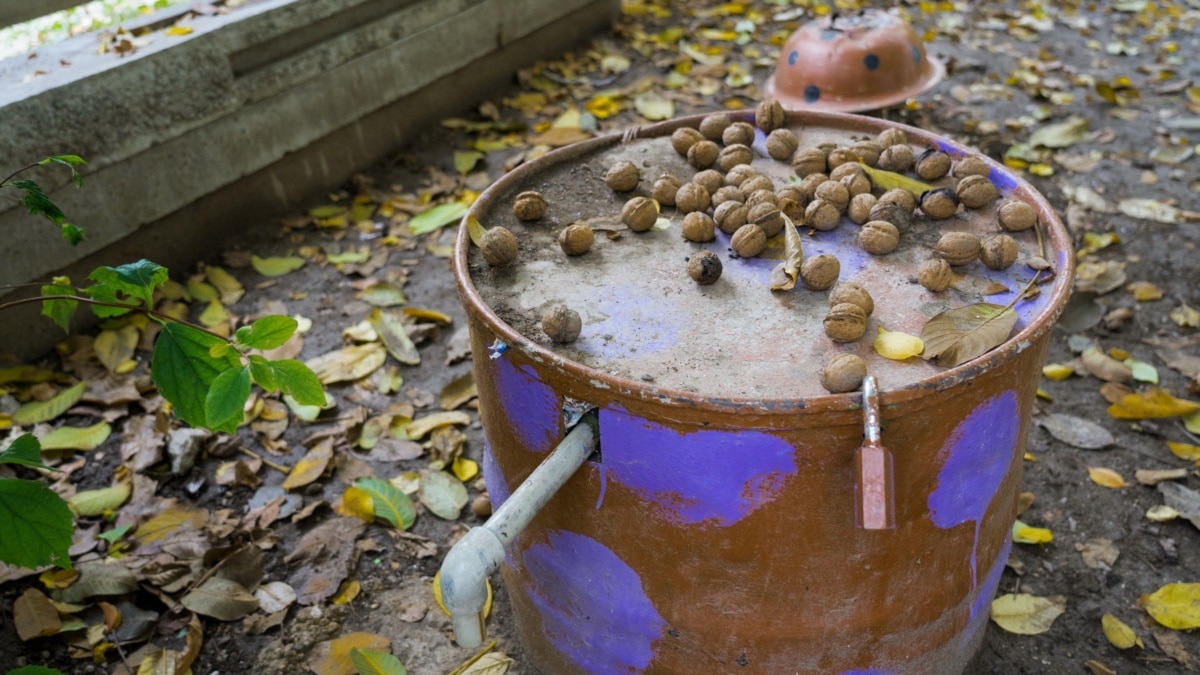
(852, 62)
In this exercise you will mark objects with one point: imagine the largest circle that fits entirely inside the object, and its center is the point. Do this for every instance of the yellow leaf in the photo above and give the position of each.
(1057, 371)
(1161, 513)
(603, 107)
(1144, 291)
(1153, 404)
(437, 596)
(348, 364)
(214, 315)
(897, 346)
(44, 411)
(1185, 451)
(1024, 534)
(1176, 606)
(1093, 242)
(475, 229)
(887, 180)
(347, 592)
(1026, 614)
(311, 466)
(1040, 169)
(1119, 635)
(171, 519)
(465, 469)
(76, 438)
(1106, 477)
(231, 289)
(1185, 316)
(431, 315)
(419, 427)
(1044, 395)
(356, 502)
(1191, 422)
(97, 502)
(276, 267)
(333, 657)
(115, 347)
(178, 30)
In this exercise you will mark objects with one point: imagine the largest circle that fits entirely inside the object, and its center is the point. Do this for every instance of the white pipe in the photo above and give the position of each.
(469, 563)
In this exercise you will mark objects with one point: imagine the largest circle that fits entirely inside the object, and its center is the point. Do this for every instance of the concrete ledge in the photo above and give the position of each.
(195, 141)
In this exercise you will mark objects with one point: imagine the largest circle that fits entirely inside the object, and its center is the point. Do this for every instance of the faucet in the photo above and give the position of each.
(467, 566)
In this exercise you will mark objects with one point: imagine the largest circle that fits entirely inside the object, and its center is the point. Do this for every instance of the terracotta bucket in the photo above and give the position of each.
(715, 529)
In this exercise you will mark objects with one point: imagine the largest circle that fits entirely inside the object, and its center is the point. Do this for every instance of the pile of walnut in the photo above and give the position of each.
(726, 193)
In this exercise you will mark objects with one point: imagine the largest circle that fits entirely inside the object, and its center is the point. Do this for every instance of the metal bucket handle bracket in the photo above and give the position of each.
(875, 489)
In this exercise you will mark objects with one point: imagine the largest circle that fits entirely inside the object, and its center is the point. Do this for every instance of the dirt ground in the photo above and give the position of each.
(1013, 68)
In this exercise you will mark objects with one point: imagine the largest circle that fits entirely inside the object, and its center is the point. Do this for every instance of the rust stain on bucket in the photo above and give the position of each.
(718, 526)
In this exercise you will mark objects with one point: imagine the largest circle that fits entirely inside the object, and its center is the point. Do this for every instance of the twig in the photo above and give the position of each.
(471, 661)
(1037, 228)
(278, 467)
(163, 318)
(120, 652)
(18, 172)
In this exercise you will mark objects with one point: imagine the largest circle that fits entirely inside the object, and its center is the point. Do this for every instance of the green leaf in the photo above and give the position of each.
(36, 523)
(390, 502)
(71, 233)
(69, 161)
(292, 378)
(37, 202)
(372, 662)
(35, 670)
(226, 399)
(268, 332)
(114, 534)
(26, 451)
(437, 217)
(276, 267)
(107, 293)
(98, 502)
(959, 335)
(184, 372)
(136, 279)
(465, 160)
(59, 311)
(44, 411)
(77, 438)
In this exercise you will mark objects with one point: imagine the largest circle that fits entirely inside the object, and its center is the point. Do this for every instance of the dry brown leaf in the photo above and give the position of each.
(311, 466)
(1098, 553)
(1156, 476)
(1105, 367)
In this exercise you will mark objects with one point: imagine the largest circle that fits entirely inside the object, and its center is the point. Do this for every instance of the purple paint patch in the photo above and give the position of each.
(707, 476)
(532, 408)
(497, 486)
(977, 458)
(987, 590)
(593, 608)
(865, 671)
(643, 327)
(1003, 179)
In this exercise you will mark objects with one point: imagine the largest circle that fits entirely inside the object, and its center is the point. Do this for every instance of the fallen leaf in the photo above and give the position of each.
(653, 106)
(222, 599)
(1161, 513)
(1119, 635)
(464, 469)
(1154, 477)
(1106, 477)
(1099, 276)
(1185, 316)
(44, 411)
(388, 502)
(230, 288)
(1062, 134)
(35, 616)
(97, 502)
(959, 335)
(392, 329)
(793, 257)
(275, 596)
(373, 662)
(347, 592)
(1024, 534)
(1026, 614)
(1185, 451)
(384, 294)
(76, 438)
(458, 391)
(1184, 500)
(311, 466)
(1057, 372)
(115, 348)
(896, 345)
(1176, 606)
(1170, 643)
(1098, 553)
(1142, 371)
(418, 428)
(1144, 291)
(1156, 403)
(349, 363)
(1152, 209)
(888, 180)
(357, 504)
(1098, 668)
(1075, 431)
(276, 267)
(492, 663)
(333, 657)
(99, 579)
(443, 494)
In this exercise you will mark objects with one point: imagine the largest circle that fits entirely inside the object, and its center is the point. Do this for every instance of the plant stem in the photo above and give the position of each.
(133, 308)
(471, 661)
(18, 172)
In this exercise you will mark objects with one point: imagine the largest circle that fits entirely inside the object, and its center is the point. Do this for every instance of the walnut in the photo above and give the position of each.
(808, 186)
(935, 275)
(734, 155)
(1015, 215)
(692, 197)
(529, 205)
(976, 191)
(893, 213)
(761, 197)
(939, 204)
(711, 179)
(970, 166)
(892, 136)
(739, 173)
(769, 115)
(683, 138)
(562, 324)
(999, 252)
(842, 170)
(820, 272)
(821, 215)
(841, 157)
(768, 217)
(622, 176)
(748, 241)
(576, 239)
(846, 322)
(868, 151)
(860, 207)
(856, 185)
(756, 183)
(896, 158)
(781, 144)
(639, 214)
(728, 193)
(702, 154)
(958, 248)
(933, 164)
(809, 161)
(499, 246)
(730, 216)
(844, 373)
(790, 208)
(698, 227)
(712, 126)
(878, 237)
(704, 267)
(900, 196)
(664, 189)
(738, 133)
(854, 294)
(833, 192)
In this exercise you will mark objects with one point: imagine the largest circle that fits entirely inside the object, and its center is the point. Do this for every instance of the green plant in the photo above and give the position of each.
(206, 377)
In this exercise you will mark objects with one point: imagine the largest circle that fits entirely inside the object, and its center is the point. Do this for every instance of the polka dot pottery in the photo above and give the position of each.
(851, 63)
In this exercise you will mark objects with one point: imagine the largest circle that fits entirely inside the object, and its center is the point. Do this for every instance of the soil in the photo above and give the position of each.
(1013, 67)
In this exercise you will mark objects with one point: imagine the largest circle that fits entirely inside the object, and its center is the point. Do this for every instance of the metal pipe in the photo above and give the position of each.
(469, 563)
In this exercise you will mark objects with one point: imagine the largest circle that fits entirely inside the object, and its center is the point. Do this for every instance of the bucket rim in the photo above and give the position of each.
(1056, 238)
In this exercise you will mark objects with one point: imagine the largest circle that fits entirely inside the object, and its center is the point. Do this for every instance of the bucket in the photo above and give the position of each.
(715, 529)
